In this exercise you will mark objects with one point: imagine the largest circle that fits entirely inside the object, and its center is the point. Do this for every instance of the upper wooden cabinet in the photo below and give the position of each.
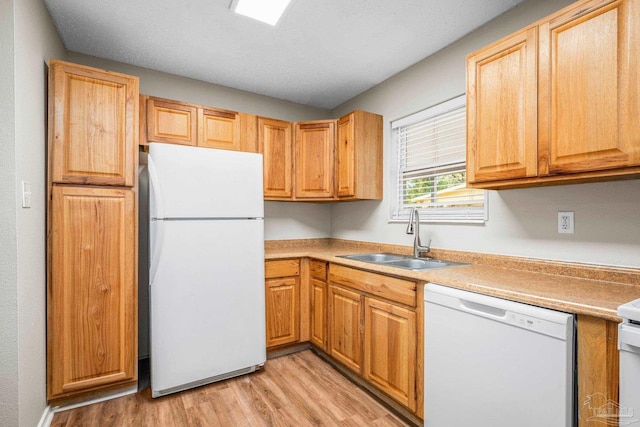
(176, 122)
(590, 88)
(334, 160)
(276, 145)
(92, 294)
(172, 122)
(314, 159)
(502, 110)
(587, 91)
(321, 160)
(359, 156)
(220, 129)
(93, 125)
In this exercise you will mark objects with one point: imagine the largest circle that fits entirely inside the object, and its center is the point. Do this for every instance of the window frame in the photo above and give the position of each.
(400, 214)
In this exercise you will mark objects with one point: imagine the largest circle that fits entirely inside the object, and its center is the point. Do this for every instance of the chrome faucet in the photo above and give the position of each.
(417, 246)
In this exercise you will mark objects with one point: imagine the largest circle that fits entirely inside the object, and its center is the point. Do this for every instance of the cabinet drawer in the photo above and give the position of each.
(281, 268)
(391, 288)
(318, 269)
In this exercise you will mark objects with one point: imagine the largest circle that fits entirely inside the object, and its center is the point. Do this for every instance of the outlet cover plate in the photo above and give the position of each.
(565, 222)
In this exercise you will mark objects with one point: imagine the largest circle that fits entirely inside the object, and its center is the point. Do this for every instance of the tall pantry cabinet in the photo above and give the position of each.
(91, 231)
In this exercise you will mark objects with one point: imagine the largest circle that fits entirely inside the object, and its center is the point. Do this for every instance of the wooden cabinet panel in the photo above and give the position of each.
(318, 269)
(390, 350)
(282, 268)
(588, 100)
(392, 288)
(92, 296)
(93, 128)
(172, 122)
(314, 161)
(319, 313)
(220, 129)
(283, 310)
(502, 110)
(589, 87)
(346, 157)
(597, 365)
(359, 156)
(276, 146)
(345, 325)
(249, 133)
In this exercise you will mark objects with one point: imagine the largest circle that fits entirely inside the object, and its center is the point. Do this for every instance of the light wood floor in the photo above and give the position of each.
(295, 390)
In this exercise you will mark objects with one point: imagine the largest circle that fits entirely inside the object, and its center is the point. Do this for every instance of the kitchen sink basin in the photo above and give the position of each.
(375, 258)
(401, 261)
(418, 264)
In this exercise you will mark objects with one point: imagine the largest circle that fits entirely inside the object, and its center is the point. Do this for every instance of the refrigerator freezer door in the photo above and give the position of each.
(207, 302)
(193, 182)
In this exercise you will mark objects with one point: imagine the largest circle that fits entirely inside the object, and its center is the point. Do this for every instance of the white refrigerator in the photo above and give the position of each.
(206, 266)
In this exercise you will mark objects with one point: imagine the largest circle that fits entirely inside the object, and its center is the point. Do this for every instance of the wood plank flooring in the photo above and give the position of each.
(295, 390)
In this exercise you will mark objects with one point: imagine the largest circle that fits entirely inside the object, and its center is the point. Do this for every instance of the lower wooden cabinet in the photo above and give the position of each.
(390, 349)
(92, 292)
(282, 297)
(373, 330)
(345, 327)
(318, 285)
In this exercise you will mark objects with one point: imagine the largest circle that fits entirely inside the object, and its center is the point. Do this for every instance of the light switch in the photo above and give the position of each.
(26, 194)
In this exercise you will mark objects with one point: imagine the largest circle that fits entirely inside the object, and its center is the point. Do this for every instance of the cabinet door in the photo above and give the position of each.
(172, 122)
(92, 296)
(220, 129)
(345, 151)
(283, 310)
(94, 131)
(345, 324)
(390, 350)
(319, 313)
(502, 110)
(590, 88)
(359, 156)
(275, 144)
(314, 161)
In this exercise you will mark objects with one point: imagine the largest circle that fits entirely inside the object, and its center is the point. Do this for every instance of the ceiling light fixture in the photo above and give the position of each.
(267, 11)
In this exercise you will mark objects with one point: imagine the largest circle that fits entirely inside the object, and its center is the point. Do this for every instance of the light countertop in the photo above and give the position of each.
(545, 284)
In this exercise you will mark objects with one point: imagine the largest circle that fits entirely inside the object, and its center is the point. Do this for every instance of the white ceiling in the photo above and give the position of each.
(322, 52)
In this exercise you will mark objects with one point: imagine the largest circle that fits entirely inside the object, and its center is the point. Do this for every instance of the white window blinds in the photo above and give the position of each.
(431, 148)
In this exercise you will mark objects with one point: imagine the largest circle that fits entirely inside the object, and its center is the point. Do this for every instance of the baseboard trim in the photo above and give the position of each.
(47, 417)
(50, 411)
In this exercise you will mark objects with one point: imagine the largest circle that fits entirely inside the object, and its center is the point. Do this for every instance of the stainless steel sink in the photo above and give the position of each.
(402, 261)
(418, 264)
(375, 258)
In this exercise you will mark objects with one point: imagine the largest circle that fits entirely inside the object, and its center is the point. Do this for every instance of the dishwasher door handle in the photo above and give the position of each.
(482, 309)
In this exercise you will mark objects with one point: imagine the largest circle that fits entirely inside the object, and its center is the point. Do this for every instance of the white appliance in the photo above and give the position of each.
(206, 274)
(629, 345)
(490, 362)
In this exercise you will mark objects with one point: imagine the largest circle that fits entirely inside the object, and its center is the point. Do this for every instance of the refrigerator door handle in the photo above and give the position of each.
(156, 223)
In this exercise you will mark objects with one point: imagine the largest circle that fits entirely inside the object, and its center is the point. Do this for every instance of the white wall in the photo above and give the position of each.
(521, 222)
(36, 41)
(28, 39)
(9, 409)
(282, 220)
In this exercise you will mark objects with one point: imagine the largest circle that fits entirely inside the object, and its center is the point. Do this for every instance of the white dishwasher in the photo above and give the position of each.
(490, 362)
(629, 345)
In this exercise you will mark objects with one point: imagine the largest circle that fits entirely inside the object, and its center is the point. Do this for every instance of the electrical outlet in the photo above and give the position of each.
(565, 222)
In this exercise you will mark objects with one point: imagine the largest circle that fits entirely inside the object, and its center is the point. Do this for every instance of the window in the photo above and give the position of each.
(431, 149)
